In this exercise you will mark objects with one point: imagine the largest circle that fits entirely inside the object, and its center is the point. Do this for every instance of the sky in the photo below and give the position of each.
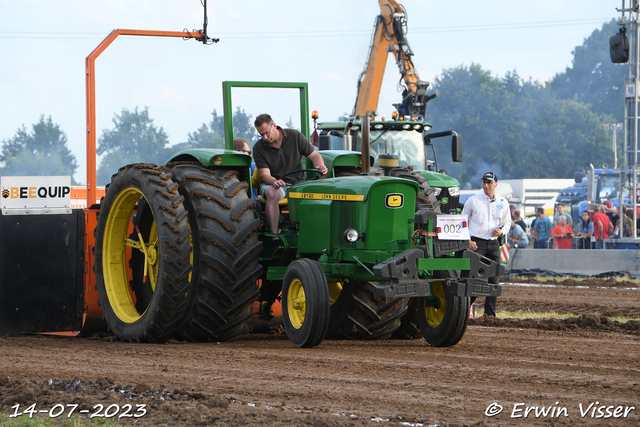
(43, 46)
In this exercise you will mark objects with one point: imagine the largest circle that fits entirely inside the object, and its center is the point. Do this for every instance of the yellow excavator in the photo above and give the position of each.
(390, 36)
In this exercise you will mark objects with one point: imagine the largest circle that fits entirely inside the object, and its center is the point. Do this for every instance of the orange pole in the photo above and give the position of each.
(91, 96)
(92, 310)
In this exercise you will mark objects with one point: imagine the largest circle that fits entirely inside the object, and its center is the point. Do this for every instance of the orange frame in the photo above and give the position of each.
(91, 95)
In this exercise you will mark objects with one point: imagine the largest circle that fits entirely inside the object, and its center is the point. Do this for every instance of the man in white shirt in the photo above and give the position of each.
(489, 218)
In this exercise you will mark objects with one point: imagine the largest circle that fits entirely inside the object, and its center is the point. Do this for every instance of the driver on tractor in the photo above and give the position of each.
(278, 152)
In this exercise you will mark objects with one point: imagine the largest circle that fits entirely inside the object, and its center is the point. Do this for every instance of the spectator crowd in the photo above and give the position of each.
(593, 230)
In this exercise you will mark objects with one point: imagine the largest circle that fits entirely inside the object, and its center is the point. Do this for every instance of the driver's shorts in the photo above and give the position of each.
(263, 188)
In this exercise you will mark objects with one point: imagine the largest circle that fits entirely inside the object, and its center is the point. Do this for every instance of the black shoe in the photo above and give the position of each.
(276, 243)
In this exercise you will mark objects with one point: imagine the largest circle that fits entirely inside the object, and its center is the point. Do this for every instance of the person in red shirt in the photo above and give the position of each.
(562, 234)
(602, 226)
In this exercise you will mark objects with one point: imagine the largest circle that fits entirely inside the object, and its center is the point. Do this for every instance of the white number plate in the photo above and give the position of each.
(452, 227)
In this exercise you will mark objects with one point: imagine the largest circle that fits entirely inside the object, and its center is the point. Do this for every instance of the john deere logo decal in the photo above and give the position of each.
(394, 200)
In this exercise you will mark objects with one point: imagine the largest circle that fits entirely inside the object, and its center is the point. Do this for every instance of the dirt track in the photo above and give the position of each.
(262, 379)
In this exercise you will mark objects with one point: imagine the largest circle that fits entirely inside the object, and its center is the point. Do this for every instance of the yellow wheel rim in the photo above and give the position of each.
(296, 303)
(335, 289)
(152, 260)
(436, 315)
(114, 255)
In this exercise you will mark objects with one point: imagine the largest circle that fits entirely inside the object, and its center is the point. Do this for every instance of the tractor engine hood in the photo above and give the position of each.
(380, 209)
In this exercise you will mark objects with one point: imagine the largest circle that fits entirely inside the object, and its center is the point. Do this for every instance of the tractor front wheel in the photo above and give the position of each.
(305, 303)
(443, 317)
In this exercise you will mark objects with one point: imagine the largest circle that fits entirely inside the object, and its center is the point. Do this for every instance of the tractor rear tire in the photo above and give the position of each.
(409, 323)
(360, 314)
(443, 326)
(426, 194)
(305, 303)
(225, 252)
(167, 257)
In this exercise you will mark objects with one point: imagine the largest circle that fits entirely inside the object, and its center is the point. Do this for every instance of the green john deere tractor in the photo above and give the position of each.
(397, 148)
(180, 249)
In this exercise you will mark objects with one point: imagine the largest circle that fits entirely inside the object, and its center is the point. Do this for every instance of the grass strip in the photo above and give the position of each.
(43, 421)
(529, 314)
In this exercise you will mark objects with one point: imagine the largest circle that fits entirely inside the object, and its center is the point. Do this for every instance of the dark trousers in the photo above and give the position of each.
(491, 250)
(583, 243)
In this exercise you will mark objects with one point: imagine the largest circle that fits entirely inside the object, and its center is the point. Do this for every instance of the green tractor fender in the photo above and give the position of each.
(439, 180)
(341, 162)
(218, 158)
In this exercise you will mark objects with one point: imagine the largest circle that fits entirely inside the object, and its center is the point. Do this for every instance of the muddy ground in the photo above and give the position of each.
(582, 371)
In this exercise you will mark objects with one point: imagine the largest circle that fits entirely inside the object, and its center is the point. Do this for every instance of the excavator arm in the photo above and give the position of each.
(389, 36)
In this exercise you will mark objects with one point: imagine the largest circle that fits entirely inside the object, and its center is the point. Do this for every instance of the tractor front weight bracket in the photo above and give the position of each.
(403, 288)
(473, 288)
(403, 270)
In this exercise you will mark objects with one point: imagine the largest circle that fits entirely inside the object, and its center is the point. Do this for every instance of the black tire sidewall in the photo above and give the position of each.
(454, 323)
(161, 317)
(316, 320)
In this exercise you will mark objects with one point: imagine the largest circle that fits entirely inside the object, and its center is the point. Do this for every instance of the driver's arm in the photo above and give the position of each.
(318, 162)
(265, 175)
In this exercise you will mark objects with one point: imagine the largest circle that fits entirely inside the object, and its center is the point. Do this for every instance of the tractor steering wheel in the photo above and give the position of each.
(318, 174)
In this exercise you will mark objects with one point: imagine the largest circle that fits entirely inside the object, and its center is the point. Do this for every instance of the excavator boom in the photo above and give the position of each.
(389, 36)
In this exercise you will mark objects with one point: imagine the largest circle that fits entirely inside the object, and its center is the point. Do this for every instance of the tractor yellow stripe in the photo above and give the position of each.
(326, 196)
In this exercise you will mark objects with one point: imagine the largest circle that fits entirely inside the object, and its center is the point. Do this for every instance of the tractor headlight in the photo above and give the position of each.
(454, 191)
(437, 192)
(406, 127)
(351, 235)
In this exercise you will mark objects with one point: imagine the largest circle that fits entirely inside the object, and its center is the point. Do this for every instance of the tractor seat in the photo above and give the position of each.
(255, 183)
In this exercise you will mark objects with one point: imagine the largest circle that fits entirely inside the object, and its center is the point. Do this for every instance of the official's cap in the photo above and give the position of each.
(490, 176)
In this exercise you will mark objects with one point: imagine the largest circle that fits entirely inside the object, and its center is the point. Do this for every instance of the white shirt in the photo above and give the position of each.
(485, 215)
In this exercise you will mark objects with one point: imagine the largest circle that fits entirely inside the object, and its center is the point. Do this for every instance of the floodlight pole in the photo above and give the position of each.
(629, 173)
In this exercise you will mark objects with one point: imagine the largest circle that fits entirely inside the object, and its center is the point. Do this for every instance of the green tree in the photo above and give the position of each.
(44, 151)
(593, 78)
(516, 128)
(134, 139)
(243, 126)
(289, 123)
(211, 135)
